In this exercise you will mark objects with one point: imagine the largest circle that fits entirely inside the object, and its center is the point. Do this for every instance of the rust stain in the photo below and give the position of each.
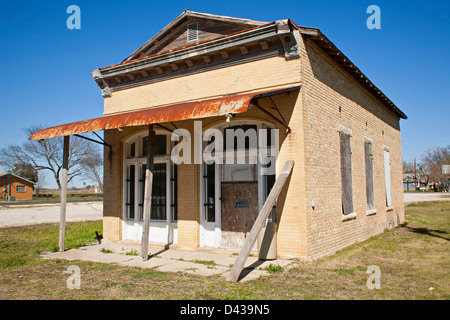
(176, 112)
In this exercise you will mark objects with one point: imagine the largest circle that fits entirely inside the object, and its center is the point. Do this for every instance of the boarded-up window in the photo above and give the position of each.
(346, 173)
(387, 178)
(369, 175)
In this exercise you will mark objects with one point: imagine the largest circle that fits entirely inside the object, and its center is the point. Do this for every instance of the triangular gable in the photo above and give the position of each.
(208, 26)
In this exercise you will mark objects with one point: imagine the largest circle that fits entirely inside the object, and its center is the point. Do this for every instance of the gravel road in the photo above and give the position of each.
(411, 197)
(34, 214)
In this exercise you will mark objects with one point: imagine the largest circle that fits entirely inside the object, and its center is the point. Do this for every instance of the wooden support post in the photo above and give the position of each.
(259, 223)
(62, 212)
(148, 192)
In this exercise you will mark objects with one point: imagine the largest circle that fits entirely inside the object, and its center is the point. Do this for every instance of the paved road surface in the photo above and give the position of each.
(26, 215)
(19, 216)
(23, 203)
(426, 196)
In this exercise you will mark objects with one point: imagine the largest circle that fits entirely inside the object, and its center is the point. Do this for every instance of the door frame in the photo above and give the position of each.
(161, 231)
(211, 232)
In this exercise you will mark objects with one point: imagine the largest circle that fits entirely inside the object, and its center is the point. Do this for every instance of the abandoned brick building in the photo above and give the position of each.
(341, 132)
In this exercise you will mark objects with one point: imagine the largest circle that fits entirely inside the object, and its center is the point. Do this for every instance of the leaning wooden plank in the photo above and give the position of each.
(148, 193)
(260, 220)
(62, 211)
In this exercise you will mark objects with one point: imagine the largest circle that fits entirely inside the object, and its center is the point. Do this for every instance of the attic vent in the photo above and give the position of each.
(192, 31)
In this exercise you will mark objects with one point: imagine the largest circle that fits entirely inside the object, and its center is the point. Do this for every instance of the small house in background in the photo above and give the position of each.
(410, 182)
(13, 187)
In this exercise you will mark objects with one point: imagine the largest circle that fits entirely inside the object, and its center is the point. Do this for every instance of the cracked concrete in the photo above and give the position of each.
(169, 260)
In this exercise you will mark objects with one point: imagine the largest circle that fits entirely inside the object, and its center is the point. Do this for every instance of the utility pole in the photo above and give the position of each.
(415, 175)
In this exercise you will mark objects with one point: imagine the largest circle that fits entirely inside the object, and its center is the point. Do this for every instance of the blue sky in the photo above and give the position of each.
(45, 67)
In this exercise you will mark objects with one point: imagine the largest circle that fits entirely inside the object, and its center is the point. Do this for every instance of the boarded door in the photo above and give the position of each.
(239, 211)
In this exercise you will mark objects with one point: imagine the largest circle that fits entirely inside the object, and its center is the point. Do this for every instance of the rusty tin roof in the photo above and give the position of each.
(177, 112)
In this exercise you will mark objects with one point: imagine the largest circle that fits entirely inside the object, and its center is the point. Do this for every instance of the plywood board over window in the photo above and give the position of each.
(368, 154)
(346, 173)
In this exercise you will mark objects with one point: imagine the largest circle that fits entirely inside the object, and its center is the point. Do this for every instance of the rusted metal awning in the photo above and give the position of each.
(183, 111)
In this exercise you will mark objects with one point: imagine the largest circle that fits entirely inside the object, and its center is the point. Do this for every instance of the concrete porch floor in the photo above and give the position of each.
(201, 262)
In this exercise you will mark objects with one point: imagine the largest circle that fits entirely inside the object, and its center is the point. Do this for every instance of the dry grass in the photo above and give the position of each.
(412, 258)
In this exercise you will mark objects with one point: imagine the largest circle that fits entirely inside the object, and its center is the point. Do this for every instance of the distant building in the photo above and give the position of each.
(13, 187)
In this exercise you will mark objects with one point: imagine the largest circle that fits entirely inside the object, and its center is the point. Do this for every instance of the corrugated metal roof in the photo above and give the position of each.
(177, 112)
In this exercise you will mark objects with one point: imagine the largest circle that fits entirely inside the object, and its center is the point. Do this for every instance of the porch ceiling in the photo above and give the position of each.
(184, 111)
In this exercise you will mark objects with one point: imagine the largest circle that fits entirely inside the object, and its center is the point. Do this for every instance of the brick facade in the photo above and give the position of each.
(11, 185)
(329, 99)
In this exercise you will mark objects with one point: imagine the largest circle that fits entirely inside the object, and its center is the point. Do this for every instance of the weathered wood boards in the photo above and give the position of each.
(148, 192)
(346, 174)
(369, 176)
(239, 211)
(259, 223)
(62, 212)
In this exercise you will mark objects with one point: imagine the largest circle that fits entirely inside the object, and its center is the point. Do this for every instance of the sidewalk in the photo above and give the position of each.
(169, 260)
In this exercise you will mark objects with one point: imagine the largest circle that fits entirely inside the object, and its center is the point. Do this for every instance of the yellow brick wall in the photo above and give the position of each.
(291, 218)
(252, 76)
(112, 187)
(188, 198)
(291, 212)
(247, 77)
(313, 115)
(326, 88)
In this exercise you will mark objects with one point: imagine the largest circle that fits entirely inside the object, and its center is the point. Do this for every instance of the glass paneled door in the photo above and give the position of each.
(233, 192)
(163, 214)
(159, 192)
(209, 220)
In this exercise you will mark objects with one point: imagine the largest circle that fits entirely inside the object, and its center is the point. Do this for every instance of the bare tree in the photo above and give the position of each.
(433, 160)
(92, 166)
(40, 184)
(408, 167)
(47, 155)
(26, 171)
